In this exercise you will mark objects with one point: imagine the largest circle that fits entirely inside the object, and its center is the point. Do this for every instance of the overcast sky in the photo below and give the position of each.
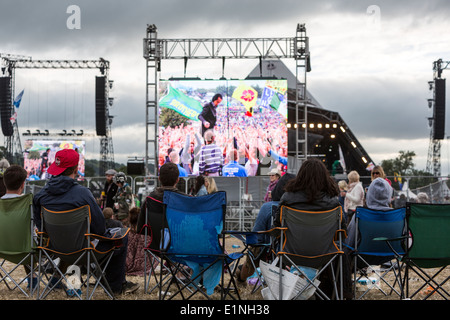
(371, 61)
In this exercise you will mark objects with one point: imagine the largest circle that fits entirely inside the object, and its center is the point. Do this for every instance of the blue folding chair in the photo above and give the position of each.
(195, 239)
(373, 226)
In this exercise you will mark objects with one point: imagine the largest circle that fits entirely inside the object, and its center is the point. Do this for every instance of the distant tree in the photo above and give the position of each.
(401, 165)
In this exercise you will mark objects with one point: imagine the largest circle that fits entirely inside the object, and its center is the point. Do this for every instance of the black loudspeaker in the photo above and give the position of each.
(136, 167)
(6, 106)
(439, 109)
(100, 106)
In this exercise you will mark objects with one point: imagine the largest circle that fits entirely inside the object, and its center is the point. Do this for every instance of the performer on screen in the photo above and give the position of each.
(208, 116)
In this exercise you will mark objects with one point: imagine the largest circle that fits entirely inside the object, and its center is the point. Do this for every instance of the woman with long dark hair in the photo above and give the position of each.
(312, 189)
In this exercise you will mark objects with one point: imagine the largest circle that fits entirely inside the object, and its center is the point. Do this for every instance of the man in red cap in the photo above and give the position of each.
(62, 192)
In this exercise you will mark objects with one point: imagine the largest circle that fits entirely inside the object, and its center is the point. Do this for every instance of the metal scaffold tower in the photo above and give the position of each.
(437, 121)
(155, 50)
(12, 142)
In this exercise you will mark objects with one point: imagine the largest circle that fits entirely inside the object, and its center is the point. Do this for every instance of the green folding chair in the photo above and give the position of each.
(17, 246)
(429, 250)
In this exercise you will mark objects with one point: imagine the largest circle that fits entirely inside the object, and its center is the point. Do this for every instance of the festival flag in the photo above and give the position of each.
(18, 99)
(181, 103)
(247, 96)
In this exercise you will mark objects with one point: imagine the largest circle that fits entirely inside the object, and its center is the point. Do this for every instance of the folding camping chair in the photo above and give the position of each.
(154, 223)
(195, 240)
(66, 237)
(428, 253)
(311, 242)
(17, 245)
(258, 244)
(368, 251)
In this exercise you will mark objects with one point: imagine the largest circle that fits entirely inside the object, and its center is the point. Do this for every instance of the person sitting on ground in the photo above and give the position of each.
(136, 255)
(62, 193)
(110, 220)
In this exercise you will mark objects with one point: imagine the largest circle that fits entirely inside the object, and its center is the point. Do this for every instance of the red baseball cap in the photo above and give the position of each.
(64, 159)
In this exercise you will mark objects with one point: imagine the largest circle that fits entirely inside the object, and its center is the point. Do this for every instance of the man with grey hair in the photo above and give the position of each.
(109, 190)
(211, 157)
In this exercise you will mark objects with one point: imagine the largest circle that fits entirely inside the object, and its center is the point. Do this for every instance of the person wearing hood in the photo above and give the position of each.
(62, 193)
(378, 197)
(354, 196)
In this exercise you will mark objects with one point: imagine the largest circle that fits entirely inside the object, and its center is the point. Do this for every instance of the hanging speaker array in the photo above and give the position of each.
(439, 110)
(100, 105)
(6, 106)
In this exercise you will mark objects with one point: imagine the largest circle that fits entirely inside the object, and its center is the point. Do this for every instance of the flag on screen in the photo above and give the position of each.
(18, 99)
(247, 96)
(181, 103)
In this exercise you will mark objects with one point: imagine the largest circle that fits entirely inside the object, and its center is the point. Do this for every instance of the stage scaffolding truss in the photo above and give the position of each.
(11, 63)
(155, 50)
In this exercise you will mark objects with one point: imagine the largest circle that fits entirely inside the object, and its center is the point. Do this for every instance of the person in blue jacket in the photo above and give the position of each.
(61, 193)
(233, 168)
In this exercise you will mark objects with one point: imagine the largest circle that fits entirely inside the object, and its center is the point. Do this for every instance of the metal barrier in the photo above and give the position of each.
(244, 195)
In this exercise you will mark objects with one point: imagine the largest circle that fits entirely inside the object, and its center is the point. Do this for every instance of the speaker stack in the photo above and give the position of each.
(439, 109)
(100, 105)
(6, 106)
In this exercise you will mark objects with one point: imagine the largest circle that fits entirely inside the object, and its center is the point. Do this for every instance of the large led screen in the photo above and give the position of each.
(40, 154)
(243, 133)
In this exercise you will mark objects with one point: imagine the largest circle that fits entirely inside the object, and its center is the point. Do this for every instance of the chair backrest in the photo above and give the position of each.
(67, 230)
(429, 225)
(155, 222)
(195, 222)
(377, 223)
(310, 237)
(16, 227)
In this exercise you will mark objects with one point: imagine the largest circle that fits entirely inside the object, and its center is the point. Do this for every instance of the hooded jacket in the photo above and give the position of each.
(64, 193)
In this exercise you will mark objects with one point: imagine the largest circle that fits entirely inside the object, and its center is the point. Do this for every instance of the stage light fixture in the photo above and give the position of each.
(319, 125)
(327, 125)
(364, 159)
(430, 103)
(342, 129)
(311, 125)
(304, 125)
(430, 85)
(334, 125)
(288, 125)
(353, 144)
(333, 136)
